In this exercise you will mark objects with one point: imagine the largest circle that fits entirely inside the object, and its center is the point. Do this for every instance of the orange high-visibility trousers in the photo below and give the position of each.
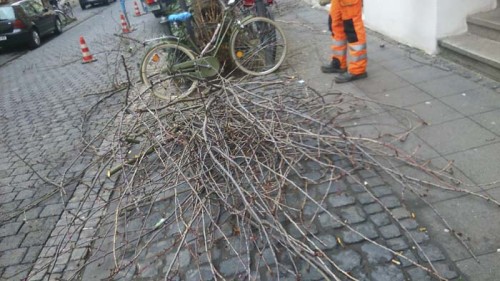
(348, 32)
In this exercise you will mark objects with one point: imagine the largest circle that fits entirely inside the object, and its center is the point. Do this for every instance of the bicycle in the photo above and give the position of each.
(256, 45)
(64, 11)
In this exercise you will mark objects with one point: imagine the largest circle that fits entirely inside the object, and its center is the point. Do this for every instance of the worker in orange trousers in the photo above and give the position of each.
(348, 33)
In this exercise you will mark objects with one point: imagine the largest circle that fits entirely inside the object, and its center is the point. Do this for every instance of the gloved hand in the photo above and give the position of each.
(324, 2)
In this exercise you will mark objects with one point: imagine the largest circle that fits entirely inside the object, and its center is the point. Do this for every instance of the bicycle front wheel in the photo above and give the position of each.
(68, 10)
(157, 72)
(258, 46)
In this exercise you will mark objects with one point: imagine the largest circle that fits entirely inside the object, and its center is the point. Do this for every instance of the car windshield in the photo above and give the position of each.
(7, 13)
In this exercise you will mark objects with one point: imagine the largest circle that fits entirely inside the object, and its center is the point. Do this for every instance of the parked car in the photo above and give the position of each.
(84, 3)
(25, 22)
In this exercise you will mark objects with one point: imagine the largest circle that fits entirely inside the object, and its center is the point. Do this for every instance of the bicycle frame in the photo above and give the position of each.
(206, 63)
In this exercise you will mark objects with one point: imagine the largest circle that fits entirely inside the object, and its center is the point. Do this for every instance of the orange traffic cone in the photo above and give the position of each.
(87, 57)
(125, 28)
(136, 9)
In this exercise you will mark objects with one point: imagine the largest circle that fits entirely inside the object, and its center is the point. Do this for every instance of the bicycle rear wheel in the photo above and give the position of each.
(258, 46)
(157, 73)
(68, 10)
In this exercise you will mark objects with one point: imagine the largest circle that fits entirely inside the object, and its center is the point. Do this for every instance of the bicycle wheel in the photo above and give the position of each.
(157, 73)
(68, 10)
(258, 46)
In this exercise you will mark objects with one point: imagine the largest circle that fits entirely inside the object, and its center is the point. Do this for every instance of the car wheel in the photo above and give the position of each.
(35, 41)
(58, 29)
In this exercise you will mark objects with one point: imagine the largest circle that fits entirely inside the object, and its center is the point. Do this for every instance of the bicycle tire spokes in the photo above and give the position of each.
(258, 46)
(158, 71)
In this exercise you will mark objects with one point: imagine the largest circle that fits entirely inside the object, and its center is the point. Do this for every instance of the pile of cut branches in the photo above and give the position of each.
(252, 155)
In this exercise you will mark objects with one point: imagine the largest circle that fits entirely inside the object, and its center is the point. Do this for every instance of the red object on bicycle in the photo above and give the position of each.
(250, 3)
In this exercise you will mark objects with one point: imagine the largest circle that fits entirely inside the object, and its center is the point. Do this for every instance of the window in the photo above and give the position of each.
(37, 6)
(28, 9)
(7, 13)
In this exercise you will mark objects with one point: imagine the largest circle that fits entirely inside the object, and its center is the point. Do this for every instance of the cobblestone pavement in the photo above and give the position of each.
(41, 122)
(46, 94)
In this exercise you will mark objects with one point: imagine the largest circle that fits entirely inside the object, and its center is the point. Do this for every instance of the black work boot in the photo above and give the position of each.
(333, 67)
(348, 77)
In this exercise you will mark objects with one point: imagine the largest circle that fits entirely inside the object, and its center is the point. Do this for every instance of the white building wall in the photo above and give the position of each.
(452, 14)
(411, 22)
(420, 23)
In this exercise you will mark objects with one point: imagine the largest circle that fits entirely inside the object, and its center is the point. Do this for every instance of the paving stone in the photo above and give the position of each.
(16, 272)
(367, 229)
(347, 260)
(417, 274)
(373, 208)
(9, 229)
(340, 200)
(51, 210)
(410, 255)
(358, 188)
(183, 259)
(25, 194)
(380, 219)
(380, 191)
(418, 236)
(311, 209)
(375, 181)
(327, 222)
(329, 187)
(397, 244)
(204, 273)
(11, 242)
(149, 269)
(390, 201)
(37, 224)
(159, 248)
(128, 273)
(409, 224)
(326, 242)
(12, 257)
(432, 252)
(306, 229)
(63, 258)
(79, 254)
(32, 254)
(265, 257)
(390, 231)
(310, 273)
(365, 198)
(445, 270)
(5, 198)
(400, 213)
(375, 254)
(367, 174)
(387, 273)
(353, 214)
(35, 238)
(231, 267)
(313, 175)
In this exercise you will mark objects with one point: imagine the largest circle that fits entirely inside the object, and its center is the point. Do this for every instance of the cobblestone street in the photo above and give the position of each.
(60, 216)
(46, 95)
